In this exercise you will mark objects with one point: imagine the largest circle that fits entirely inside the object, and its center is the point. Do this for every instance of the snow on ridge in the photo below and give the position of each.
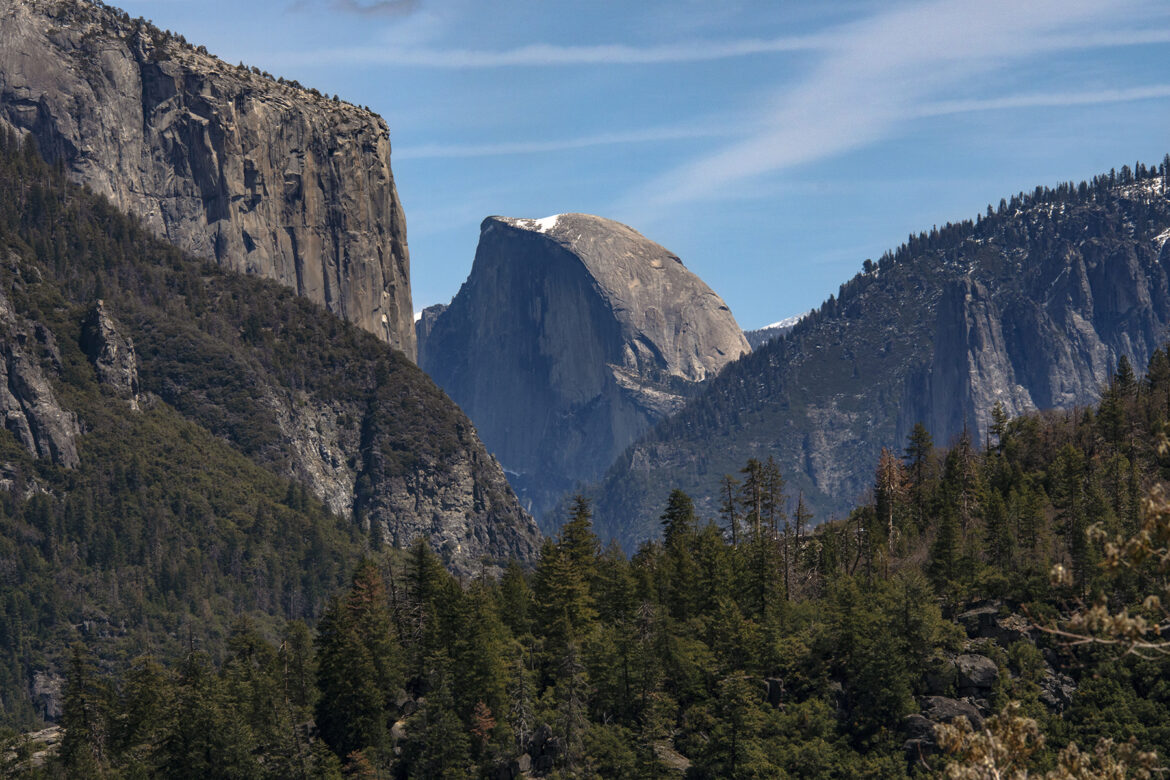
(543, 225)
(787, 322)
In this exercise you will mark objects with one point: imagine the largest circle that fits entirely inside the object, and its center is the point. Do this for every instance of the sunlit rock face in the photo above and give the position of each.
(233, 166)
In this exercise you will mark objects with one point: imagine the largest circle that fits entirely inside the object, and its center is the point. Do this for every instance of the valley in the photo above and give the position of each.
(572, 521)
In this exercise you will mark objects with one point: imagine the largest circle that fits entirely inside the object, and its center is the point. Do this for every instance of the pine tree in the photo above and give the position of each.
(1069, 498)
(84, 715)
(439, 747)
(678, 519)
(963, 482)
(145, 698)
(943, 565)
(998, 542)
(359, 665)
(679, 574)
(515, 599)
(351, 712)
(572, 693)
(564, 580)
(206, 736)
(919, 457)
(427, 581)
(801, 518)
(728, 507)
(751, 496)
(999, 425)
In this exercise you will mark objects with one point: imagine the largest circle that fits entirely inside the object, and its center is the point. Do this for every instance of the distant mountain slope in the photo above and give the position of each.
(572, 335)
(1029, 306)
(166, 426)
(226, 162)
(761, 336)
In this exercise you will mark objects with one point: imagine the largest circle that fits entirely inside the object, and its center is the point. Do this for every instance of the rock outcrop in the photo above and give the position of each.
(111, 353)
(28, 404)
(354, 421)
(259, 175)
(1030, 308)
(572, 335)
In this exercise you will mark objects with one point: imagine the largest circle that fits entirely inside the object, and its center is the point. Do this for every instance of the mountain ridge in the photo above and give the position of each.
(1030, 305)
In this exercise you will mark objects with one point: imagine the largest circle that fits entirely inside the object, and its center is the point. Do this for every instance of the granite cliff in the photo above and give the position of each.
(259, 175)
(572, 335)
(1030, 307)
(146, 329)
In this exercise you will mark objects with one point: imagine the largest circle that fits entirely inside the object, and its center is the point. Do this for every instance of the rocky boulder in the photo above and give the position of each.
(985, 622)
(977, 674)
(941, 709)
(573, 335)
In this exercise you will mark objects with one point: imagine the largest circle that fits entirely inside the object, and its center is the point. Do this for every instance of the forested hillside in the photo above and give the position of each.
(1030, 305)
(166, 427)
(751, 648)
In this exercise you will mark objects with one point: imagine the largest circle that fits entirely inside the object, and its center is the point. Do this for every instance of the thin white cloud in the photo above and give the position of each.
(545, 55)
(652, 135)
(376, 7)
(554, 55)
(879, 74)
(1049, 100)
(737, 128)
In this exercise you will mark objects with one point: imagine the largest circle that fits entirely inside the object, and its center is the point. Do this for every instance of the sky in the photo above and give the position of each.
(772, 145)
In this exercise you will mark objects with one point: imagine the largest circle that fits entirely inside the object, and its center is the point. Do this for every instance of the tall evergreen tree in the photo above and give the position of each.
(84, 717)
(359, 666)
(919, 459)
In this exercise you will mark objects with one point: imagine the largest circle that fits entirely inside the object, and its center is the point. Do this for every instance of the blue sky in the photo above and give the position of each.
(773, 146)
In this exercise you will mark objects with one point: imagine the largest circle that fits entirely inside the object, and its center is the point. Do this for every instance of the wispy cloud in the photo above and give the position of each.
(387, 8)
(555, 55)
(650, 135)
(376, 7)
(733, 128)
(546, 55)
(887, 70)
(1047, 100)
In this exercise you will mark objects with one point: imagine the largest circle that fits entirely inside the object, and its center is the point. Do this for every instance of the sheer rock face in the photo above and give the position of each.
(111, 353)
(572, 335)
(29, 406)
(261, 177)
(1053, 344)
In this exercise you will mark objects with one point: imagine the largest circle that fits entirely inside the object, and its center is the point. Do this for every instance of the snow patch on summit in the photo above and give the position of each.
(543, 225)
(787, 322)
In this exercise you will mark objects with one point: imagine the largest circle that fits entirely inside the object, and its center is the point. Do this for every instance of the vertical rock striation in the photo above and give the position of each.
(258, 175)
